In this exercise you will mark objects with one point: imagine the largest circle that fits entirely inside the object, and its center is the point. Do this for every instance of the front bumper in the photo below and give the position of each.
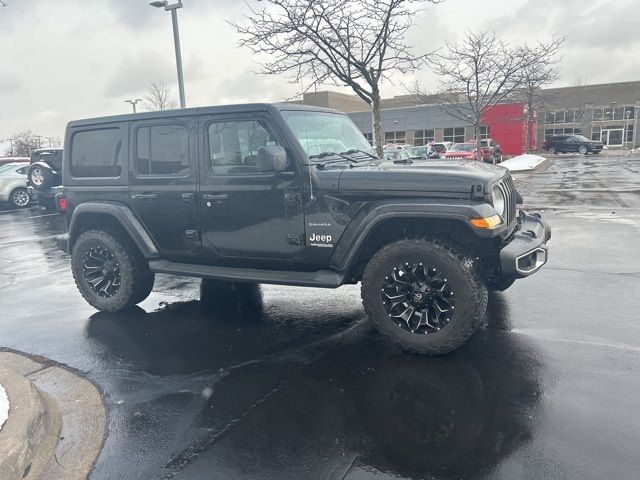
(527, 250)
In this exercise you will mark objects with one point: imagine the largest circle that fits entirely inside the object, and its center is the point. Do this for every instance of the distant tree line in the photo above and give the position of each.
(23, 143)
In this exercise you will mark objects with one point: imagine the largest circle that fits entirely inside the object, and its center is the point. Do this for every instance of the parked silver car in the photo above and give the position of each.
(13, 184)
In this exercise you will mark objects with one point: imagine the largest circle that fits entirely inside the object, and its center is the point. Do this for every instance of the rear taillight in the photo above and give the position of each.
(62, 204)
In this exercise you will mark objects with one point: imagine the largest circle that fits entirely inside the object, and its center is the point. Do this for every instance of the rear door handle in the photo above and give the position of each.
(220, 196)
(187, 197)
(145, 196)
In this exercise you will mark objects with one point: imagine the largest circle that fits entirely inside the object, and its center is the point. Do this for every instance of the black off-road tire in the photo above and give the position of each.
(136, 280)
(145, 286)
(583, 150)
(553, 151)
(470, 290)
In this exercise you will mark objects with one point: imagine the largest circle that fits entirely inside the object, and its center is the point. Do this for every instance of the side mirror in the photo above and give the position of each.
(272, 159)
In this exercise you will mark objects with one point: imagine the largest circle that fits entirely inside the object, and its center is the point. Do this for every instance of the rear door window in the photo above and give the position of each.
(162, 150)
(97, 153)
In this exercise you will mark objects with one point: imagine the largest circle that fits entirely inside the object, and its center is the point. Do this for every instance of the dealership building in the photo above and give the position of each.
(606, 112)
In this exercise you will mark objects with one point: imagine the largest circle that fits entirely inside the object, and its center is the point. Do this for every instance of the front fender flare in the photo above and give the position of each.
(124, 216)
(361, 226)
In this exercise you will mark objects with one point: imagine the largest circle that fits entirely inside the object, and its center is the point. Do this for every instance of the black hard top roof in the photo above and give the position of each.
(212, 110)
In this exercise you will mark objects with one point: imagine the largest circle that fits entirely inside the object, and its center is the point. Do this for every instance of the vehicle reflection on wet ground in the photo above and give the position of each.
(292, 383)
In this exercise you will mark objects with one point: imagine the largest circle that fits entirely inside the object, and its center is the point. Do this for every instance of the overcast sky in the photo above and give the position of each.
(67, 59)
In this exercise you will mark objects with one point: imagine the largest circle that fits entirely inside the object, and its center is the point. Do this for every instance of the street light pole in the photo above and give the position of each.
(173, 8)
(133, 103)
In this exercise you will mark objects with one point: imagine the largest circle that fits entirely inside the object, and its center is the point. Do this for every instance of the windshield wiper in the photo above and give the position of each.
(332, 154)
(355, 150)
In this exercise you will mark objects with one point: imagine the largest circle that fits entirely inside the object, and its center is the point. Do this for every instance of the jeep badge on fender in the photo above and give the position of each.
(298, 191)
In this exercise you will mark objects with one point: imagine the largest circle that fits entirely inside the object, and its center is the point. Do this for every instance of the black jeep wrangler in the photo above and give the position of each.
(291, 195)
(44, 177)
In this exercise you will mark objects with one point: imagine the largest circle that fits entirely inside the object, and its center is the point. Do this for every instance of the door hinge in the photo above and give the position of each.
(192, 234)
(295, 239)
(293, 199)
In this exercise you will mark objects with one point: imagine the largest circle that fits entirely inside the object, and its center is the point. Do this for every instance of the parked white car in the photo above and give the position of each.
(13, 184)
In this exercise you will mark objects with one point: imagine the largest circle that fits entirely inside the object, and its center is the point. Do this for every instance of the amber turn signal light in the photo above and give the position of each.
(487, 223)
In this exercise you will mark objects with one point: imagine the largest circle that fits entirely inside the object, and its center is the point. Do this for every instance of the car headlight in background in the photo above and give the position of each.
(498, 201)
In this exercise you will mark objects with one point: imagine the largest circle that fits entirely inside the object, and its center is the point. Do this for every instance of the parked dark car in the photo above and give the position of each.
(571, 143)
(44, 178)
(291, 195)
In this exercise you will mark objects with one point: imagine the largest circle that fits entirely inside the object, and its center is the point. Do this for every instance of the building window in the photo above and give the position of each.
(484, 132)
(423, 137)
(629, 134)
(597, 114)
(369, 137)
(394, 137)
(596, 134)
(455, 135)
(562, 131)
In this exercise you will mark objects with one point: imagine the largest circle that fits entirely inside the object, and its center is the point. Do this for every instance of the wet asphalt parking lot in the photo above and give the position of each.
(293, 383)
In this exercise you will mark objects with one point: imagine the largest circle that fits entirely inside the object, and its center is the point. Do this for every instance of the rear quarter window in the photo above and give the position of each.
(97, 153)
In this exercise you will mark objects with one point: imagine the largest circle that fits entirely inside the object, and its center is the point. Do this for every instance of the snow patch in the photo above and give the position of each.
(523, 163)
(4, 407)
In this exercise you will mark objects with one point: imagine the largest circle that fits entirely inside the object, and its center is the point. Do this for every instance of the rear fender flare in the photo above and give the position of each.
(124, 216)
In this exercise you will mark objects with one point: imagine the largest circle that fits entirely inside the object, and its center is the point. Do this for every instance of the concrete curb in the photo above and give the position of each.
(31, 429)
(61, 416)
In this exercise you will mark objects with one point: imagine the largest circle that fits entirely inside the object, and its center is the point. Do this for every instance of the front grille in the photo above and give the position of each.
(509, 192)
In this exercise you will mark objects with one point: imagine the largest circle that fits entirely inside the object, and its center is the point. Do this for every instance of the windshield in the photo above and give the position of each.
(462, 147)
(321, 132)
(580, 138)
(439, 147)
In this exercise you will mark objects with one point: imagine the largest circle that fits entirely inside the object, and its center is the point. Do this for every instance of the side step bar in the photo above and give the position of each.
(320, 278)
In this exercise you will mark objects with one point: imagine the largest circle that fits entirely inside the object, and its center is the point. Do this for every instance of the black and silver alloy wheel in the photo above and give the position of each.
(418, 298)
(101, 271)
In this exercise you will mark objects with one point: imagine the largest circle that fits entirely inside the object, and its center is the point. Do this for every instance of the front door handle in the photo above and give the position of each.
(187, 197)
(218, 197)
(145, 196)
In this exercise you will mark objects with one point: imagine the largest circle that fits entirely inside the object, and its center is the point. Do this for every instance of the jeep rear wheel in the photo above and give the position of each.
(582, 150)
(424, 295)
(109, 272)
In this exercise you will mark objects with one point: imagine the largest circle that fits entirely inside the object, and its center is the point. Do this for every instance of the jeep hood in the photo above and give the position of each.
(437, 176)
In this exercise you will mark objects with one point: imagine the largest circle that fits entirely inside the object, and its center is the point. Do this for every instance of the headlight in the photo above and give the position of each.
(498, 201)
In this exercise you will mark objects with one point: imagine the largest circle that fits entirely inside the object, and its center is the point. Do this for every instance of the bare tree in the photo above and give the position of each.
(541, 71)
(353, 43)
(477, 74)
(24, 143)
(158, 97)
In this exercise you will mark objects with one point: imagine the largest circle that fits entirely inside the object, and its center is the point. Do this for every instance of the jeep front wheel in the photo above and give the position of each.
(109, 272)
(424, 295)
